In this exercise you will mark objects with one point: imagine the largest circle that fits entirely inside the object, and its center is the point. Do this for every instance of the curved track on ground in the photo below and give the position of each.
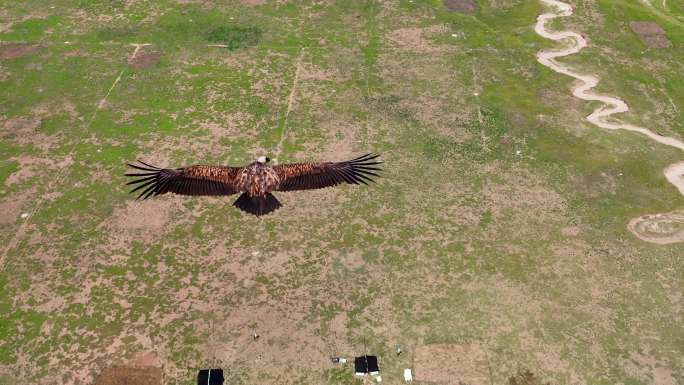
(657, 228)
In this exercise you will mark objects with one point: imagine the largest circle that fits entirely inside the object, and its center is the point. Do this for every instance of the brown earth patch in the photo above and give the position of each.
(124, 375)
(9, 211)
(570, 231)
(24, 131)
(30, 166)
(144, 60)
(461, 6)
(143, 359)
(15, 51)
(650, 34)
(311, 71)
(76, 53)
(646, 368)
(416, 39)
(340, 140)
(18, 128)
(143, 221)
(452, 364)
(231, 125)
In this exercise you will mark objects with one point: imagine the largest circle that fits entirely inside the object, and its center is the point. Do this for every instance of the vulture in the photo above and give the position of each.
(256, 181)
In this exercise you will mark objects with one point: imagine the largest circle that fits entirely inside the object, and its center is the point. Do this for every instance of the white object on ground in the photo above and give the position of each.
(408, 376)
(24, 215)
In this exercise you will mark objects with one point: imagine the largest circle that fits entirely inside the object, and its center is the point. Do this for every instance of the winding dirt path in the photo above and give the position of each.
(657, 228)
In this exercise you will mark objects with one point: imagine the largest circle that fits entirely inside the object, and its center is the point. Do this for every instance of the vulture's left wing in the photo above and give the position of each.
(191, 180)
(307, 176)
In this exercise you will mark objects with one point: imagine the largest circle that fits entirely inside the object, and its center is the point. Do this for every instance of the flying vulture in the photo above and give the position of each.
(255, 181)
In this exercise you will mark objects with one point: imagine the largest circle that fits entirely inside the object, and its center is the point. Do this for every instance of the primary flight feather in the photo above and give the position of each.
(256, 181)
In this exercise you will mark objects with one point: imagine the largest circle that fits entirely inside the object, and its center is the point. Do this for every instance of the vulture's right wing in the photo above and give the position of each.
(191, 180)
(306, 176)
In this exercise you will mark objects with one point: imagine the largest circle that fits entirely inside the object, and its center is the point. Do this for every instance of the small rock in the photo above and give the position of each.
(24, 215)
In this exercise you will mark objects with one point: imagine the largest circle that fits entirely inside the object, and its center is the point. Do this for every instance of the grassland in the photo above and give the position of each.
(500, 220)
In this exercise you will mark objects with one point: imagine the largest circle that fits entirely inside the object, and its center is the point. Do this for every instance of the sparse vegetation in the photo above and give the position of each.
(500, 218)
(235, 37)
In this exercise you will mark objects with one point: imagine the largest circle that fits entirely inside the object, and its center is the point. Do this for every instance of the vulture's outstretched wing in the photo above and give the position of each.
(191, 180)
(306, 176)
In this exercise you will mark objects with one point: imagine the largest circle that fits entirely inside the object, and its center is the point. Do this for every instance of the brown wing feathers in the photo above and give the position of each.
(193, 180)
(305, 176)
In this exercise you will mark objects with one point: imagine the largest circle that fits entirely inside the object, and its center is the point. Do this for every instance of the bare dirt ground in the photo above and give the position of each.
(10, 211)
(145, 59)
(650, 34)
(15, 51)
(461, 6)
(124, 375)
(252, 3)
(416, 39)
(451, 364)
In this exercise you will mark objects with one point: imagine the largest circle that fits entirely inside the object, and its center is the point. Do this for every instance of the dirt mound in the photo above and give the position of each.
(16, 51)
(144, 60)
(452, 364)
(650, 34)
(461, 6)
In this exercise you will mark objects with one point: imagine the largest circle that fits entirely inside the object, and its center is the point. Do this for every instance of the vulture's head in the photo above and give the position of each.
(263, 159)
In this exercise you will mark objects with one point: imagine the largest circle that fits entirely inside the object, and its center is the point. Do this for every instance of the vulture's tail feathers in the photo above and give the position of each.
(257, 205)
